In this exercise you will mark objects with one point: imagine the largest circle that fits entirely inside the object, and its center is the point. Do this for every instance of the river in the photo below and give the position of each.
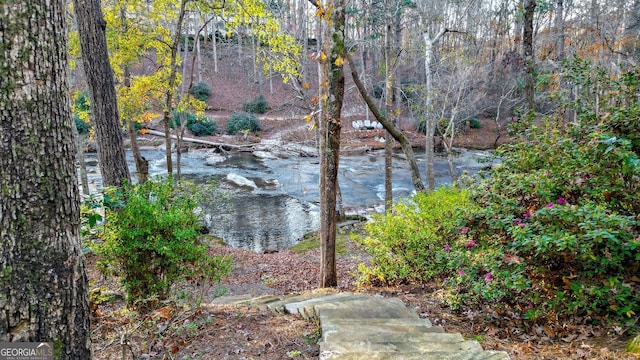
(275, 201)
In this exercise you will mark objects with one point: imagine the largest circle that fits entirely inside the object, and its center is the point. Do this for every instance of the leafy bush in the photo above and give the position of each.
(404, 244)
(81, 108)
(82, 126)
(203, 126)
(552, 231)
(240, 121)
(151, 238)
(474, 123)
(200, 91)
(257, 105)
(198, 125)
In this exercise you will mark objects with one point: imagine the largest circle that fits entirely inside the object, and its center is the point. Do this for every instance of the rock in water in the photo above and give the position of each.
(241, 181)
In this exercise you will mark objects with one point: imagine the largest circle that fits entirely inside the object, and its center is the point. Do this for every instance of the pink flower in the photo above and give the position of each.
(487, 277)
(550, 205)
(464, 230)
(447, 247)
(521, 225)
(526, 216)
(461, 272)
(561, 201)
(471, 243)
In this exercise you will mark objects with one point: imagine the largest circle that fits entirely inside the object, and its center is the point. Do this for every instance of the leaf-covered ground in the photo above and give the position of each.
(181, 330)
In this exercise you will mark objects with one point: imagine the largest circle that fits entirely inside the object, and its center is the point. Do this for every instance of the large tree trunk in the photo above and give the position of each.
(43, 279)
(104, 104)
(331, 95)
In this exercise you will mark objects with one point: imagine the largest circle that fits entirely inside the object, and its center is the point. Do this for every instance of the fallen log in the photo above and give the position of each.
(203, 142)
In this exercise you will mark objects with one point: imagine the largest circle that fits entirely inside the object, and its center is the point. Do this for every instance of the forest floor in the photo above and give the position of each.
(185, 328)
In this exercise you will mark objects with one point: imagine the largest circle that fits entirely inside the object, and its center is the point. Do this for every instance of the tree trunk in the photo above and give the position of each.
(559, 24)
(389, 83)
(104, 104)
(43, 279)
(393, 131)
(168, 105)
(84, 179)
(429, 121)
(527, 43)
(331, 95)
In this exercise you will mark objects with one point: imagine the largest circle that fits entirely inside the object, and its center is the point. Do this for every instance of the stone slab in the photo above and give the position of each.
(375, 335)
(306, 308)
(380, 321)
(279, 305)
(400, 346)
(436, 355)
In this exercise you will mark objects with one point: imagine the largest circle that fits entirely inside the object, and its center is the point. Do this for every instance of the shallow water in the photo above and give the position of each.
(283, 204)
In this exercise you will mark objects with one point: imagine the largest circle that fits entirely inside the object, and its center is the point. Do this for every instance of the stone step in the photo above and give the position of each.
(245, 299)
(377, 335)
(362, 325)
(426, 345)
(367, 308)
(306, 308)
(279, 305)
(379, 321)
(434, 355)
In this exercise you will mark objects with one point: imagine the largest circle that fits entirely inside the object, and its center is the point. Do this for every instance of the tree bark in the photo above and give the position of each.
(331, 97)
(43, 282)
(429, 121)
(388, 104)
(104, 104)
(527, 43)
(405, 145)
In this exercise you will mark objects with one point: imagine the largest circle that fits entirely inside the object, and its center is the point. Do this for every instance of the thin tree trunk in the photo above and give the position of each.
(389, 83)
(430, 122)
(527, 43)
(215, 47)
(142, 165)
(168, 106)
(104, 105)
(84, 180)
(43, 278)
(397, 134)
(332, 95)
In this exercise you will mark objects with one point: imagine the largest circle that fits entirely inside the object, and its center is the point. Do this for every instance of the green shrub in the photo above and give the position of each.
(257, 105)
(151, 240)
(565, 203)
(200, 91)
(81, 108)
(404, 244)
(198, 125)
(553, 231)
(82, 126)
(239, 122)
(474, 123)
(203, 126)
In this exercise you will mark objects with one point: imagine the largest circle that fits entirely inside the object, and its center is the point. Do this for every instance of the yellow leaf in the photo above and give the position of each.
(323, 56)
(338, 61)
(313, 127)
(308, 118)
(306, 85)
